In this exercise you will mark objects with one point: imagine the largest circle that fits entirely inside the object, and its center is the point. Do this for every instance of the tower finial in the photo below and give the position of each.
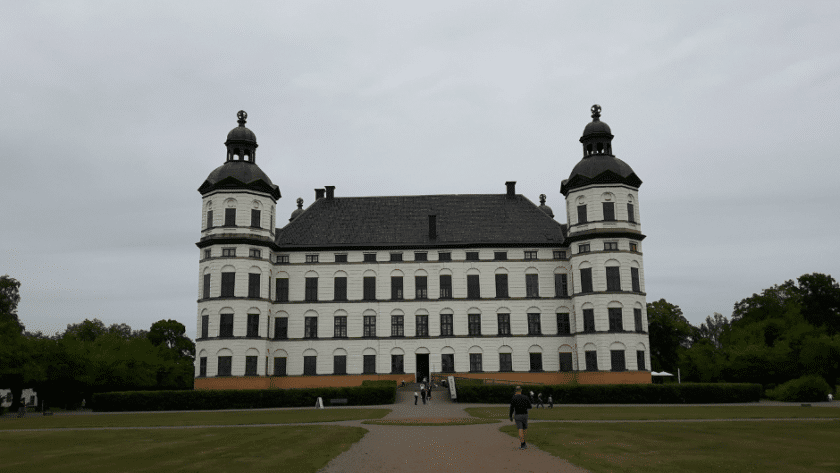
(596, 112)
(542, 199)
(241, 115)
(300, 202)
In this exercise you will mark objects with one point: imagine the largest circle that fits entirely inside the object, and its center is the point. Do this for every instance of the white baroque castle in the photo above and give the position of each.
(482, 286)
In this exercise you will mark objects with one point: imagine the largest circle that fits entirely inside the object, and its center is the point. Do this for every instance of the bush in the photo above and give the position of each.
(238, 399)
(809, 388)
(686, 393)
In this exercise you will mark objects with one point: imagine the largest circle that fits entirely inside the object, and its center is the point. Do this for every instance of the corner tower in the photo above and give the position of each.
(604, 237)
(237, 234)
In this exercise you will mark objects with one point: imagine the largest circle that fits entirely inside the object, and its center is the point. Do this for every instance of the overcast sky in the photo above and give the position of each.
(114, 113)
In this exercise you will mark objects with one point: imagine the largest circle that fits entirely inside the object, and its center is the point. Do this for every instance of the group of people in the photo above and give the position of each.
(425, 392)
(519, 406)
(539, 401)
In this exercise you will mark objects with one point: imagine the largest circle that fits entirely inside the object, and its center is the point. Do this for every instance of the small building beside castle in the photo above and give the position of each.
(404, 287)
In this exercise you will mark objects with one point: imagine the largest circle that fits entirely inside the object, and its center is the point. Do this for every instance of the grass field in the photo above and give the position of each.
(155, 419)
(662, 413)
(287, 448)
(421, 422)
(692, 446)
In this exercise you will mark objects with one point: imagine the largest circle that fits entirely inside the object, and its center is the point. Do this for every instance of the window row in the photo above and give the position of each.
(608, 213)
(608, 246)
(613, 275)
(230, 219)
(527, 255)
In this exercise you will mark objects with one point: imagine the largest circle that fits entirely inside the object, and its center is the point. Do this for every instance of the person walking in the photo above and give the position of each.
(550, 402)
(532, 398)
(429, 392)
(423, 393)
(519, 406)
(415, 397)
(540, 401)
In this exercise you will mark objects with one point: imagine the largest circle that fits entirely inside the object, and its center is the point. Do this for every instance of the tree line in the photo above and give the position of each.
(89, 357)
(785, 332)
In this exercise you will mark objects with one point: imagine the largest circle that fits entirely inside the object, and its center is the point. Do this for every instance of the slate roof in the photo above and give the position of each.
(239, 175)
(462, 220)
(600, 169)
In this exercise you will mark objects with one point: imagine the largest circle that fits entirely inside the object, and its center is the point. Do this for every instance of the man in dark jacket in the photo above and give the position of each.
(519, 406)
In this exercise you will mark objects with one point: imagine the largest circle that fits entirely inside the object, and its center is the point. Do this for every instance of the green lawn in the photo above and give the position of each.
(154, 419)
(431, 422)
(661, 413)
(288, 449)
(692, 446)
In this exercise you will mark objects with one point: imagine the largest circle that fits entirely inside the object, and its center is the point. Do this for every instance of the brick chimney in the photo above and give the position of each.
(330, 192)
(319, 194)
(511, 188)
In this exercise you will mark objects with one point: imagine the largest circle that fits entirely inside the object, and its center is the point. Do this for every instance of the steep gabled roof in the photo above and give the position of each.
(461, 220)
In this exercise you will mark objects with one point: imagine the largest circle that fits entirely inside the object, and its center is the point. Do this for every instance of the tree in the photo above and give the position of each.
(669, 331)
(712, 329)
(820, 301)
(13, 353)
(178, 353)
(172, 335)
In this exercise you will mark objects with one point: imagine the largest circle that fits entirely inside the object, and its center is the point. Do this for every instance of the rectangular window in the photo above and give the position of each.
(311, 289)
(531, 255)
(396, 257)
(586, 280)
(561, 285)
(230, 217)
(444, 256)
(229, 252)
(475, 363)
(536, 361)
(283, 259)
(207, 253)
(226, 325)
(225, 363)
(617, 359)
(309, 366)
(253, 325)
(281, 328)
(504, 324)
(254, 285)
(564, 326)
(500, 255)
(588, 320)
(583, 248)
(532, 285)
(534, 324)
(340, 364)
(369, 364)
(282, 289)
(591, 360)
(422, 329)
(445, 286)
(610, 245)
(310, 327)
(421, 287)
(446, 325)
(340, 258)
(250, 366)
(312, 258)
(581, 211)
(474, 324)
(613, 278)
(637, 318)
(340, 289)
(397, 328)
(205, 326)
(206, 289)
(396, 288)
(370, 326)
(631, 213)
(634, 279)
(634, 246)
(340, 327)
(370, 257)
(254, 253)
(505, 362)
(566, 362)
(473, 287)
(397, 366)
(472, 256)
(447, 363)
(640, 360)
(209, 220)
(228, 280)
(255, 218)
(501, 286)
(609, 211)
(202, 366)
(559, 254)
(369, 288)
(280, 366)
(421, 256)
(616, 324)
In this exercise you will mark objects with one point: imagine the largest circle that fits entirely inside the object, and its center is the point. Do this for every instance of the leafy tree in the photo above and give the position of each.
(712, 329)
(178, 353)
(13, 353)
(669, 332)
(820, 299)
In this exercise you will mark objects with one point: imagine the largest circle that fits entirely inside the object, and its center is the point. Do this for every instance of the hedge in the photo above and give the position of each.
(388, 383)
(686, 393)
(238, 399)
(809, 388)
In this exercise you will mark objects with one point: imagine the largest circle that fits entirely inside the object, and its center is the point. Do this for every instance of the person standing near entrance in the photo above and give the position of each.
(519, 406)
(415, 397)
(423, 392)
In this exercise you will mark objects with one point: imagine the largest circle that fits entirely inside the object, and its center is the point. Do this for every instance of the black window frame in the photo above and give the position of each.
(588, 320)
(503, 324)
(446, 286)
(310, 365)
(634, 247)
(610, 246)
(369, 326)
(475, 363)
(230, 218)
(583, 248)
(253, 286)
(228, 284)
(369, 258)
(368, 364)
(502, 286)
(561, 285)
(253, 326)
(472, 256)
(444, 256)
(637, 320)
(281, 289)
(618, 360)
(421, 256)
(340, 288)
(474, 325)
(255, 218)
(281, 328)
(559, 254)
(473, 286)
(397, 293)
(398, 326)
(505, 362)
(564, 323)
(369, 288)
(613, 278)
(421, 325)
(447, 363)
(608, 209)
(631, 213)
(500, 255)
(224, 366)
(421, 287)
(311, 291)
(226, 325)
(205, 289)
(202, 367)
(581, 214)
(251, 365)
(534, 324)
(397, 364)
(396, 257)
(280, 366)
(312, 258)
(208, 253)
(341, 257)
(254, 253)
(591, 359)
(340, 326)
(532, 286)
(205, 326)
(615, 316)
(282, 259)
(446, 325)
(566, 362)
(586, 280)
(640, 360)
(530, 255)
(634, 280)
(310, 327)
(209, 224)
(535, 364)
(339, 364)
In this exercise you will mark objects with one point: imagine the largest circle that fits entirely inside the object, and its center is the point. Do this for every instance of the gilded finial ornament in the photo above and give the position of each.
(542, 199)
(596, 111)
(300, 202)
(241, 115)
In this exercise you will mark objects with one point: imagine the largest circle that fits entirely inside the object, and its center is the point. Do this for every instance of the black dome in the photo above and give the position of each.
(241, 133)
(594, 127)
(241, 175)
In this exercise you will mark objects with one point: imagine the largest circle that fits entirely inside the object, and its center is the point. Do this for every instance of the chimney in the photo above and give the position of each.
(432, 227)
(319, 194)
(511, 188)
(330, 191)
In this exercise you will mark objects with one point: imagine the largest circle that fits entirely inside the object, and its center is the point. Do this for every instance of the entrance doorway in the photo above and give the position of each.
(422, 366)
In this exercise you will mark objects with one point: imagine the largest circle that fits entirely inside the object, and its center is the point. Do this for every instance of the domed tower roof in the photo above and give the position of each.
(598, 164)
(240, 170)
